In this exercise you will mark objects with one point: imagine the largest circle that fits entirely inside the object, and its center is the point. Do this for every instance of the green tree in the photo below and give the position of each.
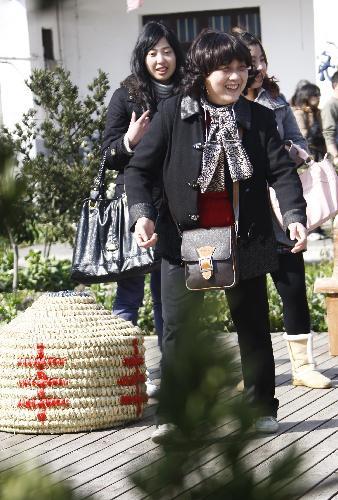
(58, 147)
(20, 484)
(14, 221)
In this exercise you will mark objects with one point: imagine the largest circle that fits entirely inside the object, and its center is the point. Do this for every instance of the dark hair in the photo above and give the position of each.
(152, 32)
(304, 94)
(210, 50)
(299, 85)
(269, 83)
(334, 80)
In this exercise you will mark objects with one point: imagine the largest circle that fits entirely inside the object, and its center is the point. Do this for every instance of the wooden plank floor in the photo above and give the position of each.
(98, 463)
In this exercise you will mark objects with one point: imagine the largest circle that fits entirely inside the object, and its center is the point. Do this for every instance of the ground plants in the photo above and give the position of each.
(49, 274)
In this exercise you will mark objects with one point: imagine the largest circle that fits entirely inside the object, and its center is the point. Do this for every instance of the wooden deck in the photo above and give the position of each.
(98, 463)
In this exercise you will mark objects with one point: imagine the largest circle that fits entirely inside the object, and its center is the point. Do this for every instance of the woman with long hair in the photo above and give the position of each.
(157, 65)
(289, 279)
(265, 90)
(204, 141)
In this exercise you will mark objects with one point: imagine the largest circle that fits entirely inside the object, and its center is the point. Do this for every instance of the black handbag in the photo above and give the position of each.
(210, 255)
(105, 249)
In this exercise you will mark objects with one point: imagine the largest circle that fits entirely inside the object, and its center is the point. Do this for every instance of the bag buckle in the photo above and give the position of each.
(205, 261)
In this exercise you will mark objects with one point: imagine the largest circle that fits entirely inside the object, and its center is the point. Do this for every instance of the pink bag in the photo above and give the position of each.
(320, 190)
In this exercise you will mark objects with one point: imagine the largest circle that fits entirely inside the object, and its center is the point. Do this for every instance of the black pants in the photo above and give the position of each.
(249, 309)
(290, 283)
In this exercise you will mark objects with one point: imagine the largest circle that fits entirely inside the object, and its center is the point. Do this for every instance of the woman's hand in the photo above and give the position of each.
(137, 128)
(299, 233)
(144, 233)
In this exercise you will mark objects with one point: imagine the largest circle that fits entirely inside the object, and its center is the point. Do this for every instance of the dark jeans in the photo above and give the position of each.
(249, 309)
(290, 283)
(129, 298)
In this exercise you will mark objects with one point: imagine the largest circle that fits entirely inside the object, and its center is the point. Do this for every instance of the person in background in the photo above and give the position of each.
(289, 279)
(299, 85)
(264, 89)
(157, 65)
(308, 116)
(190, 137)
(330, 121)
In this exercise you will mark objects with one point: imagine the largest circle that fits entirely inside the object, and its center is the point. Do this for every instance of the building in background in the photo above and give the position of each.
(300, 37)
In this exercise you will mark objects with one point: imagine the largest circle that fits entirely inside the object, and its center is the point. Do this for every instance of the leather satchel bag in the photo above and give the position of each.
(320, 190)
(105, 249)
(210, 255)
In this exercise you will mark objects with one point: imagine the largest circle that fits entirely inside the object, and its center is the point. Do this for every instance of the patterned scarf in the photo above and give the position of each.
(223, 145)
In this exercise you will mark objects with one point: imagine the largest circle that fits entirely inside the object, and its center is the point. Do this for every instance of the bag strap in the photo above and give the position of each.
(97, 188)
(235, 204)
(304, 155)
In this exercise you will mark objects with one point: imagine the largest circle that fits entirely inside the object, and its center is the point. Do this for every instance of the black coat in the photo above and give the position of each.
(173, 141)
(124, 101)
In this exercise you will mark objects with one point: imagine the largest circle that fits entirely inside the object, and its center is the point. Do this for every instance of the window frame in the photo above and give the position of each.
(202, 19)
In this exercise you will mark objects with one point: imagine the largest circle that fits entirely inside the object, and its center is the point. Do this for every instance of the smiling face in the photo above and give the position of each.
(258, 63)
(226, 83)
(161, 61)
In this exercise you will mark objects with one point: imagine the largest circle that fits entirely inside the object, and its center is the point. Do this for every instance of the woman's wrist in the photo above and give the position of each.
(127, 144)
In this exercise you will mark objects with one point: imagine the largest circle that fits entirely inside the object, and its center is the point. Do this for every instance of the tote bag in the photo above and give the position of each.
(105, 249)
(320, 190)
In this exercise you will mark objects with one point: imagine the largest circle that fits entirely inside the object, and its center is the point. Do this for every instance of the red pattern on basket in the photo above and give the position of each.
(136, 379)
(41, 381)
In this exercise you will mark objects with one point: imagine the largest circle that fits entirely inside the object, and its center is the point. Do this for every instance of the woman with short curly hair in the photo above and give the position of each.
(205, 141)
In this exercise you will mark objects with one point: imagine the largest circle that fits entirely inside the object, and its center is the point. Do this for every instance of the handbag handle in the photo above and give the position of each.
(235, 203)
(304, 155)
(97, 188)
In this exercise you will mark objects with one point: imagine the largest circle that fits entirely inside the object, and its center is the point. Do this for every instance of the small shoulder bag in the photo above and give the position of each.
(210, 255)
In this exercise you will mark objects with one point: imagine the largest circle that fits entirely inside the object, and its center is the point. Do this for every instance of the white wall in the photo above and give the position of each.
(38, 19)
(89, 35)
(101, 35)
(98, 35)
(15, 61)
(326, 30)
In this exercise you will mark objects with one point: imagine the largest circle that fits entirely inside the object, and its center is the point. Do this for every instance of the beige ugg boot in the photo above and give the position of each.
(302, 364)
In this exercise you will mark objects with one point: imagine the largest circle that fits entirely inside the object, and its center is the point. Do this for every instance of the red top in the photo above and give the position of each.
(215, 209)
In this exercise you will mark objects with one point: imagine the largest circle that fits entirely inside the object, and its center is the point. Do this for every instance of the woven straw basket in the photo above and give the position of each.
(69, 365)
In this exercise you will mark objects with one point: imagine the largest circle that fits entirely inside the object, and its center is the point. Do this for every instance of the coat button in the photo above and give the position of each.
(194, 217)
(193, 185)
(251, 231)
(113, 151)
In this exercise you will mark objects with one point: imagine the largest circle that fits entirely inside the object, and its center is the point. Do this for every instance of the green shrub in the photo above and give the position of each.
(39, 274)
(6, 270)
(45, 274)
(104, 293)
(12, 303)
(53, 275)
(317, 300)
